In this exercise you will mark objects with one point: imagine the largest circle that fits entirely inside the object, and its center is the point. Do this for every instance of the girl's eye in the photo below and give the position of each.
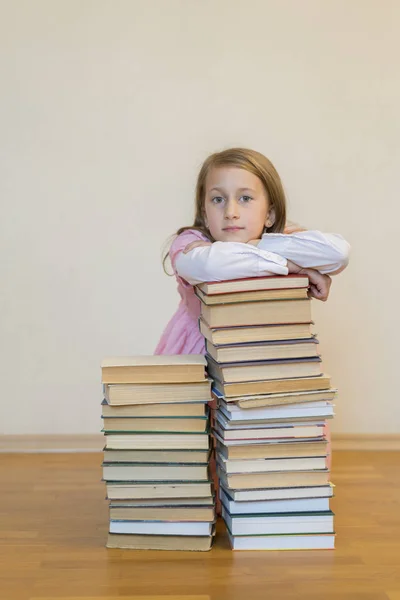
(246, 199)
(217, 200)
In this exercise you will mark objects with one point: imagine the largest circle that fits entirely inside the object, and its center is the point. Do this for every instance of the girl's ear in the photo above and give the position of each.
(270, 220)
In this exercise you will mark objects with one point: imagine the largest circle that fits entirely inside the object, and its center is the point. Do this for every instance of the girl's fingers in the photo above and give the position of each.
(317, 293)
(319, 285)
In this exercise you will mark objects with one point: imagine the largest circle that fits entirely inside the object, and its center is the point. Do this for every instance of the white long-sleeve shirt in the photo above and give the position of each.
(328, 253)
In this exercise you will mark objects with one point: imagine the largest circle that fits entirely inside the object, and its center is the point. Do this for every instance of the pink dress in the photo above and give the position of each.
(182, 334)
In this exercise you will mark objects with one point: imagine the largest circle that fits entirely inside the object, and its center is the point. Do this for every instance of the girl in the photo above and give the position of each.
(238, 232)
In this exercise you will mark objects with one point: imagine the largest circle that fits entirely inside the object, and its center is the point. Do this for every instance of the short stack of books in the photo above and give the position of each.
(157, 452)
(273, 403)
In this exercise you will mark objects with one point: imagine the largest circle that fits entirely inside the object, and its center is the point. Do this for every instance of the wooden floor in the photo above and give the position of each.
(53, 525)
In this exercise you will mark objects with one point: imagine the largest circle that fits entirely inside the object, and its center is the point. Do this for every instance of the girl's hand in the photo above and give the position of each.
(319, 284)
(192, 245)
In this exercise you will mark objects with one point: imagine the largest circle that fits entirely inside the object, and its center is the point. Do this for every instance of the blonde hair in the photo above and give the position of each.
(252, 161)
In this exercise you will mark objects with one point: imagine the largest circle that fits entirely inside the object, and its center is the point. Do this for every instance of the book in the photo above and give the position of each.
(274, 449)
(223, 422)
(184, 368)
(154, 472)
(264, 370)
(283, 542)
(158, 393)
(280, 493)
(255, 333)
(158, 441)
(274, 386)
(259, 435)
(252, 296)
(163, 502)
(263, 350)
(274, 524)
(156, 467)
(274, 506)
(247, 425)
(160, 542)
(123, 490)
(269, 465)
(162, 528)
(269, 312)
(254, 283)
(181, 409)
(311, 410)
(154, 424)
(275, 400)
(156, 456)
(288, 479)
(162, 513)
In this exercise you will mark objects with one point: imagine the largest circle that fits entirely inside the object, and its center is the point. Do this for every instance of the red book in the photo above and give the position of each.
(278, 282)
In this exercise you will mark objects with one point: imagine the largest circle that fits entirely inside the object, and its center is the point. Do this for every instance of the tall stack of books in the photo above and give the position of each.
(157, 452)
(273, 402)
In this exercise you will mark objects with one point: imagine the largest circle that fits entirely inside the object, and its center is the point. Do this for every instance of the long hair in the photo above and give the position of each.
(252, 161)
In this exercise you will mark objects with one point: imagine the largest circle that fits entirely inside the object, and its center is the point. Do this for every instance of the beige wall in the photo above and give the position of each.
(108, 109)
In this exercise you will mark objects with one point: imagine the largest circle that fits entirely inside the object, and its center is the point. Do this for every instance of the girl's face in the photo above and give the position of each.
(236, 205)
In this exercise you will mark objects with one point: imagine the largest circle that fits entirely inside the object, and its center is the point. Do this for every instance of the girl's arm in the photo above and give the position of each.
(325, 252)
(221, 261)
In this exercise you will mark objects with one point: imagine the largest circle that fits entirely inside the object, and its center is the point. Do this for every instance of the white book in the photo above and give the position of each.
(252, 434)
(293, 411)
(161, 528)
(314, 491)
(265, 465)
(219, 434)
(274, 524)
(274, 506)
(231, 425)
(282, 542)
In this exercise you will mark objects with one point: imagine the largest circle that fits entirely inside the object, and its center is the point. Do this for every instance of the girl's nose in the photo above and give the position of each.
(231, 209)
